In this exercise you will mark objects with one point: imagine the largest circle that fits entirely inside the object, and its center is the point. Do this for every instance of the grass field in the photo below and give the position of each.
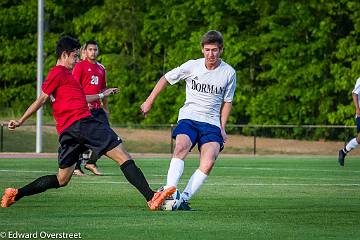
(244, 198)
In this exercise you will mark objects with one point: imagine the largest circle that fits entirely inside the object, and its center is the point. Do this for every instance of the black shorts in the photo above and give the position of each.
(99, 114)
(84, 134)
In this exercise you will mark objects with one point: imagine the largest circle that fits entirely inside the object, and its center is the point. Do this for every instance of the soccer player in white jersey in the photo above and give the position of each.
(353, 143)
(210, 86)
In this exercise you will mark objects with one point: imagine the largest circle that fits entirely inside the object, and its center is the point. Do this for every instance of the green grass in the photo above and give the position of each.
(244, 198)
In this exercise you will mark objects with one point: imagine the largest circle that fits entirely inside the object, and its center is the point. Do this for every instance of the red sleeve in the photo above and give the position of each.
(77, 72)
(52, 82)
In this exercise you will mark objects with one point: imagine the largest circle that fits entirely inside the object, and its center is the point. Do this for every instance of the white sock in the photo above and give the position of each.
(175, 171)
(194, 184)
(351, 145)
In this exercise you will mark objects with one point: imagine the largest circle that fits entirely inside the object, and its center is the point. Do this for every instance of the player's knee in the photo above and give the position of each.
(63, 182)
(181, 148)
(206, 168)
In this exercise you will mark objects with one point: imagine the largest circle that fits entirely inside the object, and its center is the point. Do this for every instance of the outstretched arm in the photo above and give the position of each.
(225, 112)
(38, 103)
(160, 85)
(107, 92)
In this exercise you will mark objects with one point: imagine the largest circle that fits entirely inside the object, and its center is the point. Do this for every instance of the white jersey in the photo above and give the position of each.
(357, 89)
(206, 90)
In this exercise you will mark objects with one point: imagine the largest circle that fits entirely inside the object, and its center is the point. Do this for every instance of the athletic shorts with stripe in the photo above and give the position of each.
(199, 133)
(86, 133)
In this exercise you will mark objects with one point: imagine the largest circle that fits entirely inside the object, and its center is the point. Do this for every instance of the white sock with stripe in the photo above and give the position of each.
(194, 184)
(351, 145)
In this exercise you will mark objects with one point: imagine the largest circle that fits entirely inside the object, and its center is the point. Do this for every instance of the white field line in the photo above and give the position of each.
(25, 171)
(90, 181)
(222, 167)
(241, 184)
(233, 184)
(287, 169)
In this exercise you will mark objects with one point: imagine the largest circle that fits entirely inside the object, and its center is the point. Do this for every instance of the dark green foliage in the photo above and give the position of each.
(296, 62)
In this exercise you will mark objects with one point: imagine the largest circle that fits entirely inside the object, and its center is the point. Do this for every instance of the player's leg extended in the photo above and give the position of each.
(11, 195)
(208, 154)
(182, 147)
(353, 143)
(132, 173)
(135, 176)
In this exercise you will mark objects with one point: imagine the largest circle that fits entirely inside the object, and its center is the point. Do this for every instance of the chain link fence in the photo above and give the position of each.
(242, 139)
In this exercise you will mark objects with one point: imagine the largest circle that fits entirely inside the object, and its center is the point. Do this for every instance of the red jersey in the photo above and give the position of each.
(67, 98)
(91, 77)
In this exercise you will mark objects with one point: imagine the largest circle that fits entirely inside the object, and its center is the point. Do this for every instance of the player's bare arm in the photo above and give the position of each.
(105, 102)
(38, 103)
(107, 92)
(225, 112)
(356, 103)
(160, 85)
(105, 106)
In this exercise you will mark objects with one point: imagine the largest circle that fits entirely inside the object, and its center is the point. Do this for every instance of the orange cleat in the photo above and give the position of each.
(8, 197)
(160, 197)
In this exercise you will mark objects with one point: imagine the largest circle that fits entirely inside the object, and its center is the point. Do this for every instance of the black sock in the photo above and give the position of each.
(39, 185)
(93, 159)
(78, 165)
(135, 176)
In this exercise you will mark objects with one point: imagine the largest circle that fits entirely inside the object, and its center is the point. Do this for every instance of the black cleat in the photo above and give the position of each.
(341, 158)
(184, 206)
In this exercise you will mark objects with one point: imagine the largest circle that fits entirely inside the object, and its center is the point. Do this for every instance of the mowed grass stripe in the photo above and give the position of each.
(240, 200)
(223, 184)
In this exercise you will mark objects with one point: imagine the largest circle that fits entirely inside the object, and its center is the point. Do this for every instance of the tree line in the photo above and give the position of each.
(296, 61)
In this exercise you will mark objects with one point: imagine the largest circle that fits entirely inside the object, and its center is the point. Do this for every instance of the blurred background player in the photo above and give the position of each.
(76, 127)
(210, 86)
(353, 143)
(86, 155)
(82, 52)
(92, 78)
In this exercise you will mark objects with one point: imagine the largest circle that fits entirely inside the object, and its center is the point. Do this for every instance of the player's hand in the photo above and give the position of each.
(145, 108)
(13, 124)
(357, 112)
(110, 91)
(224, 135)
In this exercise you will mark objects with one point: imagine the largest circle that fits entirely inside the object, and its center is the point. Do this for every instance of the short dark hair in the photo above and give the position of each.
(67, 44)
(92, 42)
(212, 37)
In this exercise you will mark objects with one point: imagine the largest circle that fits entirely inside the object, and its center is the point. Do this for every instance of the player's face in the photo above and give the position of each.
(91, 52)
(71, 59)
(211, 53)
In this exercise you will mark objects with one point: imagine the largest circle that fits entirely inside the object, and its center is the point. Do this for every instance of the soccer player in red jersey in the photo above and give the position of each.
(92, 78)
(78, 131)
